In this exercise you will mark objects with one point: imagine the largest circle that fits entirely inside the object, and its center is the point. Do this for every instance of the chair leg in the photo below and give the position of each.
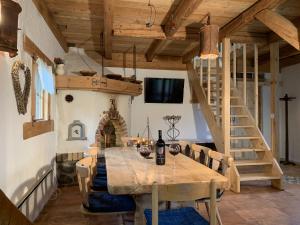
(207, 207)
(218, 216)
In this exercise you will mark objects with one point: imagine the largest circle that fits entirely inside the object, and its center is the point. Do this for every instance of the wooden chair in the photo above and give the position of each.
(183, 146)
(181, 192)
(98, 171)
(215, 161)
(196, 153)
(99, 203)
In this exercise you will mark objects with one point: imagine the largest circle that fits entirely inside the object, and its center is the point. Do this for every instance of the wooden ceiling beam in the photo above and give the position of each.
(159, 62)
(273, 37)
(289, 61)
(48, 17)
(108, 28)
(240, 21)
(156, 32)
(175, 19)
(288, 55)
(247, 16)
(173, 22)
(156, 46)
(281, 26)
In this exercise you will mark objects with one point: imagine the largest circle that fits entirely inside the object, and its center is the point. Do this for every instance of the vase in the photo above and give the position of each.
(60, 69)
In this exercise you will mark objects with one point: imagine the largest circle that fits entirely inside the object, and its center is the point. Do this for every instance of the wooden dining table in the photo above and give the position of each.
(129, 173)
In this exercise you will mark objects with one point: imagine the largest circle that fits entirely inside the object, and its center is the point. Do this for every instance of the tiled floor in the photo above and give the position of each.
(257, 204)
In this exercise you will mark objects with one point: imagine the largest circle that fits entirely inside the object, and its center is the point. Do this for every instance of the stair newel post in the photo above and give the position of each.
(234, 65)
(226, 94)
(274, 64)
(208, 82)
(256, 84)
(245, 73)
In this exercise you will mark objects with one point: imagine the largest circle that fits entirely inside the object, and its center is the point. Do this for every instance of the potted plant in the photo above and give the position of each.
(60, 64)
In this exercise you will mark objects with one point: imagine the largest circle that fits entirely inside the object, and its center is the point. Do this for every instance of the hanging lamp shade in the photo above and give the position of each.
(209, 38)
(9, 26)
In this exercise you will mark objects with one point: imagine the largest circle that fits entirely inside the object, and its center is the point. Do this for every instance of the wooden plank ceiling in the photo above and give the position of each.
(82, 24)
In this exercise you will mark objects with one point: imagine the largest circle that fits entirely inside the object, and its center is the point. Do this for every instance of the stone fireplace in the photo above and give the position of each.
(111, 128)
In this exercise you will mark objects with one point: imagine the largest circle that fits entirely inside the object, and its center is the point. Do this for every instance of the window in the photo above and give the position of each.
(42, 100)
(42, 87)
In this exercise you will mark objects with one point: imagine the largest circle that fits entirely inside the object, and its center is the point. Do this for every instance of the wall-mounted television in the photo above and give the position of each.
(163, 90)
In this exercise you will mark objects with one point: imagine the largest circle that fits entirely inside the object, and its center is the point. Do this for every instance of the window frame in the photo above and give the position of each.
(36, 127)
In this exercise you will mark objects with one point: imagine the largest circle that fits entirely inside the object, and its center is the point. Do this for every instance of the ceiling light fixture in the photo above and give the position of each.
(9, 26)
(209, 39)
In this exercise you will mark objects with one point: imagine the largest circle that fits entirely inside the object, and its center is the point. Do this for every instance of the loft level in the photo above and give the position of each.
(101, 84)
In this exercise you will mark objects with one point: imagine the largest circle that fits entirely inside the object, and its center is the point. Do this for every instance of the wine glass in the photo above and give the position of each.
(145, 151)
(174, 149)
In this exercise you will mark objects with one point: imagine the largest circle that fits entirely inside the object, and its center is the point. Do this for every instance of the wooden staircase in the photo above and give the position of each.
(253, 159)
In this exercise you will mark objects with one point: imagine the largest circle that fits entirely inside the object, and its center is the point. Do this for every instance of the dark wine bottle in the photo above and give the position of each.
(160, 150)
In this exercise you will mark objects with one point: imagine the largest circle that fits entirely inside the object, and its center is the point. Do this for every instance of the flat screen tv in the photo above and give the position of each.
(163, 90)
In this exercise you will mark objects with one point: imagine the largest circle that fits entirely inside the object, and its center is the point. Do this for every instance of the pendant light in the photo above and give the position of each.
(209, 39)
(9, 11)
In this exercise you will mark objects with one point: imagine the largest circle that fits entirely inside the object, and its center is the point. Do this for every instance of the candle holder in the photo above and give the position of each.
(172, 132)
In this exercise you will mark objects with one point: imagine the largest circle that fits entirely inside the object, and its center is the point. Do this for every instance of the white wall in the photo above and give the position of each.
(21, 160)
(191, 116)
(290, 84)
(89, 106)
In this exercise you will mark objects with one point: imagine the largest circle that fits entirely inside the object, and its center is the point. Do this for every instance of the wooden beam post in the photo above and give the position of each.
(274, 63)
(108, 25)
(226, 95)
(256, 84)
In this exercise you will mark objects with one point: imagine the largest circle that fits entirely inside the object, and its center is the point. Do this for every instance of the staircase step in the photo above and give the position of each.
(244, 137)
(241, 126)
(258, 176)
(237, 150)
(252, 162)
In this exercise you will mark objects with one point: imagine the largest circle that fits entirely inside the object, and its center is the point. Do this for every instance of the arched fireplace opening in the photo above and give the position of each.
(111, 128)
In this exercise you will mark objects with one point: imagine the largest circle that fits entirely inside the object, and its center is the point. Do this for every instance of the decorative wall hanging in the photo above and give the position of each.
(21, 95)
(9, 26)
(76, 131)
(172, 132)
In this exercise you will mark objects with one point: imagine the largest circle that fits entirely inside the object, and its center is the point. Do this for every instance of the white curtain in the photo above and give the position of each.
(46, 77)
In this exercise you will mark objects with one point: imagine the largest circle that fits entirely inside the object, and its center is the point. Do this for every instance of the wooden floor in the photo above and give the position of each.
(255, 205)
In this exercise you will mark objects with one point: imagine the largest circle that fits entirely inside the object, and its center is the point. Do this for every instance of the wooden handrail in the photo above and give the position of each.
(33, 188)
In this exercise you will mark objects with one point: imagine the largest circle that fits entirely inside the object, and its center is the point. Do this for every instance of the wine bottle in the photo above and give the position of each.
(160, 150)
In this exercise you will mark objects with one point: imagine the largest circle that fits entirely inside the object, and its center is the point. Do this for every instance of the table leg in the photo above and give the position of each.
(142, 202)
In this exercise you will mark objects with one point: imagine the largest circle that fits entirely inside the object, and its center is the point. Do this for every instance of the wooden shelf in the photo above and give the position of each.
(101, 84)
